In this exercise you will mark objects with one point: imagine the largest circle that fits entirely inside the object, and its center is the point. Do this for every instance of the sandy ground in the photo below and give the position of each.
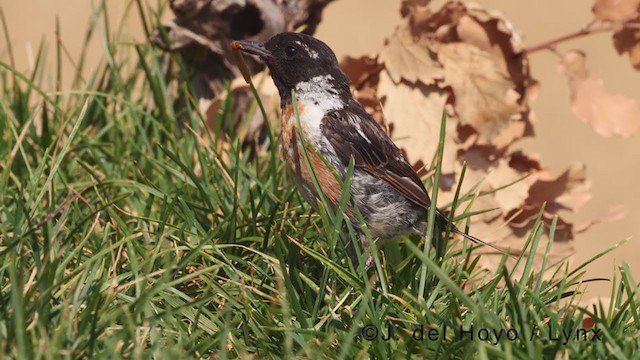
(357, 27)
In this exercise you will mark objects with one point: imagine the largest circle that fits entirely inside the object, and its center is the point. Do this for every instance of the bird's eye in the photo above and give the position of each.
(290, 51)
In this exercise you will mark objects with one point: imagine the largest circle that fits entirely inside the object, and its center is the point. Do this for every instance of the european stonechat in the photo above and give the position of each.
(388, 192)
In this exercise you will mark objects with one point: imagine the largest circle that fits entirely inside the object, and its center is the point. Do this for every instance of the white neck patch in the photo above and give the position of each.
(317, 97)
(320, 91)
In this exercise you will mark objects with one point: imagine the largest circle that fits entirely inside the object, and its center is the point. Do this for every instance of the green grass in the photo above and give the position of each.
(123, 235)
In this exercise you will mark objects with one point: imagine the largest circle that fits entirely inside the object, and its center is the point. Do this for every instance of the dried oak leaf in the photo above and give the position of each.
(246, 123)
(567, 191)
(479, 157)
(511, 230)
(485, 97)
(524, 163)
(201, 33)
(440, 25)
(514, 240)
(468, 61)
(511, 197)
(487, 30)
(405, 58)
(364, 73)
(627, 40)
(616, 11)
(234, 108)
(491, 32)
(410, 6)
(413, 110)
(360, 70)
(478, 47)
(609, 114)
(516, 207)
(523, 199)
(203, 29)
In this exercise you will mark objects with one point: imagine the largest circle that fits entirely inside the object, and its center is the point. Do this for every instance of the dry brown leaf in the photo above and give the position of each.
(521, 203)
(616, 11)
(202, 31)
(512, 197)
(567, 191)
(494, 227)
(489, 79)
(507, 237)
(469, 61)
(360, 70)
(471, 31)
(484, 96)
(524, 163)
(241, 101)
(364, 74)
(411, 6)
(627, 40)
(187, 9)
(487, 30)
(609, 114)
(415, 112)
(491, 32)
(405, 58)
(576, 188)
(478, 157)
(438, 25)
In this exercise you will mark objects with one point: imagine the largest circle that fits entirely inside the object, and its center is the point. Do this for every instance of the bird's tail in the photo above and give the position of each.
(443, 222)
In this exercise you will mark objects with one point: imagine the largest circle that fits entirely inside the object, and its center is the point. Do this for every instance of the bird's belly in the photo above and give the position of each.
(387, 212)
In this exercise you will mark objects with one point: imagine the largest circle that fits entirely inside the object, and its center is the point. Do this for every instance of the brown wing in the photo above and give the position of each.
(353, 133)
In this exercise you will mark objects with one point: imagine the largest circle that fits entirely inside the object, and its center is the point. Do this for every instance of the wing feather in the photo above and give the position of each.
(353, 133)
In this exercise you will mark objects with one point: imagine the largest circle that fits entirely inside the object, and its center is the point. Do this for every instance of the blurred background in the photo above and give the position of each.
(357, 27)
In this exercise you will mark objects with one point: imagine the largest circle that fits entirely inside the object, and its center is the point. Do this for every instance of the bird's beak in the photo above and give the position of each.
(251, 47)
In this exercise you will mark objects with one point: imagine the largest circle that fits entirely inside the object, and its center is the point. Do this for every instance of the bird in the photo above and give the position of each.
(385, 188)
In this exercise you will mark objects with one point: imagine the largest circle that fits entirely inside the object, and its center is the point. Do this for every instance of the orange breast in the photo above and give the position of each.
(289, 123)
(293, 154)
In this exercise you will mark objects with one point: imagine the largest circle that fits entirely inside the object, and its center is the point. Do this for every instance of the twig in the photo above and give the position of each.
(57, 211)
(550, 44)
(50, 216)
